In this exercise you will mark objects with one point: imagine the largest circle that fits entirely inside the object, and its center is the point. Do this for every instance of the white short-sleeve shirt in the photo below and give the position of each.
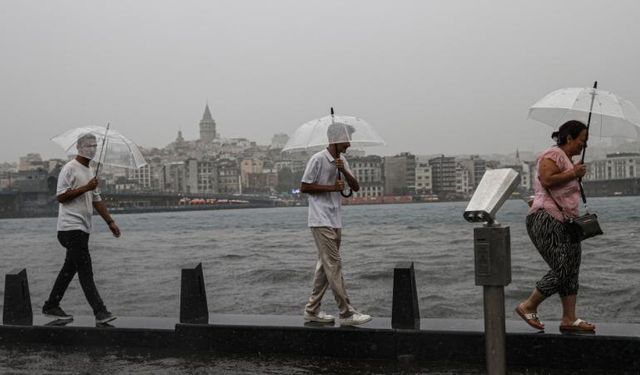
(324, 208)
(76, 213)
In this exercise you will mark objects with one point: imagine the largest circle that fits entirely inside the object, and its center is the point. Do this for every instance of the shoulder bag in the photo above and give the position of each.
(582, 227)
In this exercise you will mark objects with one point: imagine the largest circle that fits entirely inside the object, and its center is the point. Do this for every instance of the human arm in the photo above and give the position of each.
(104, 213)
(551, 175)
(317, 188)
(309, 183)
(71, 194)
(352, 181)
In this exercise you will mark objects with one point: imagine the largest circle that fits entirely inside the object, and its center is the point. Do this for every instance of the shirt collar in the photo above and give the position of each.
(328, 155)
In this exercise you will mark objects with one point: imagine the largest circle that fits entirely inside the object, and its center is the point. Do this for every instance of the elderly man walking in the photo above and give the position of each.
(321, 181)
(76, 192)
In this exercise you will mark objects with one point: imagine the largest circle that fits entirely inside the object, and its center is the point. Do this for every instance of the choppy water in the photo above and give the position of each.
(261, 260)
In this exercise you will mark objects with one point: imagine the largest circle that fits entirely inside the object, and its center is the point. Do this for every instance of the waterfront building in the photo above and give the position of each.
(524, 169)
(400, 174)
(476, 167)
(424, 178)
(35, 181)
(443, 174)
(249, 166)
(368, 171)
(228, 177)
(258, 176)
(619, 165)
(464, 181)
(264, 182)
(142, 177)
(173, 177)
(200, 176)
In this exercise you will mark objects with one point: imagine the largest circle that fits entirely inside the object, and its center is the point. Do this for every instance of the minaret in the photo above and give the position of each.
(207, 126)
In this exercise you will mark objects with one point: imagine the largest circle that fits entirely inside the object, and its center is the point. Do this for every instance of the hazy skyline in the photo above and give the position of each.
(430, 76)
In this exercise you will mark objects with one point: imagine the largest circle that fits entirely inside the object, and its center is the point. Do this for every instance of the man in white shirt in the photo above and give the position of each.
(76, 192)
(322, 182)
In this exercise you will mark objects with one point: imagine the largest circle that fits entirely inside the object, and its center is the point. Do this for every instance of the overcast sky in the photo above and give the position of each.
(431, 76)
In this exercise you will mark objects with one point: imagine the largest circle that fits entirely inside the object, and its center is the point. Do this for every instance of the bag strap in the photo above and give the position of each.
(552, 198)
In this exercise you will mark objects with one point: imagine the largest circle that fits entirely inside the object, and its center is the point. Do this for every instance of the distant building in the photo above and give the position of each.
(443, 174)
(30, 162)
(173, 177)
(615, 166)
(34, 180)
(400, 174)
(476, 167)
(369, 173)
(228, 176)
(464, 185)
(424, 177)
(200, 176)
(142, 177)
(207, 127)
(279, 140)
(525, 170)
(250, 166)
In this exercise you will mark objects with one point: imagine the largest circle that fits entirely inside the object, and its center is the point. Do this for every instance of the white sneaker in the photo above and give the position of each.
(355, 319)
(320, 317)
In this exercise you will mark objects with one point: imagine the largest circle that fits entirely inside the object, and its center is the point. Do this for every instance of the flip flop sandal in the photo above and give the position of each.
(578, 327)
(530, 318)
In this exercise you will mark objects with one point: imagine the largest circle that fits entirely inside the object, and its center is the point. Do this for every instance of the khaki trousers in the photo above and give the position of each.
(328, 272)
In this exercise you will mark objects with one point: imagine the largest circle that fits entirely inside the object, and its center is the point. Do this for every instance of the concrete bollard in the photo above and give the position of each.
(193, 297)
(405, 312)
(17, 300)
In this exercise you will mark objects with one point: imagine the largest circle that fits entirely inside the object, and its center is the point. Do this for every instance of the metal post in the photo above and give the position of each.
(492, 248)
(494, 330)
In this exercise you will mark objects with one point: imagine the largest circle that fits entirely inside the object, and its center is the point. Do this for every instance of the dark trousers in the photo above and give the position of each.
(77, 260)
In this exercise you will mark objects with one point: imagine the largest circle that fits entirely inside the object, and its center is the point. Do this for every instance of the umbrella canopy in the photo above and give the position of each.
(612, 116)
(319, 133)
(117, 151)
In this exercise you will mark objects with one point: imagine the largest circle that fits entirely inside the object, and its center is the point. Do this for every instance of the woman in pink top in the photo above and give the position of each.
(557, 197)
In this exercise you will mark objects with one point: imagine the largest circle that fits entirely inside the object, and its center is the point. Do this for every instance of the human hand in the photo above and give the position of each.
(340, 165)
(114, 229)
(339, 186)
(91, 185)
(579, 170)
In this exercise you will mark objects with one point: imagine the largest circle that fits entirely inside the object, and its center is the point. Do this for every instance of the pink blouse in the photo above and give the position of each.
(567, 195)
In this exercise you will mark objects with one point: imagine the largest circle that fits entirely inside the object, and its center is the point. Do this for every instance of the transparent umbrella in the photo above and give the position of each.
(607, 114)
(315, 133)
(112, 147)
(319, 133)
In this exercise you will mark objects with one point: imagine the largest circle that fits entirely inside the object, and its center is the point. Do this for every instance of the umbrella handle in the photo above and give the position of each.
(346, 195)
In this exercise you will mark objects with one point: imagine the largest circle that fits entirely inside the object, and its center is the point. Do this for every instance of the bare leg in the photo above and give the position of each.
(569, 312)
(530, 305)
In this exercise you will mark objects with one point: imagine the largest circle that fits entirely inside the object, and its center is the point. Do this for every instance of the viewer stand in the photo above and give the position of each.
(492, 250)
(492, 258)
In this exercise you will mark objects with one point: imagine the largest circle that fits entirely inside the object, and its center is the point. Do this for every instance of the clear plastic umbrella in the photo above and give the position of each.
(332, 129)
(611, 115)
(315, 134)
(112, 148)
(604, 113)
